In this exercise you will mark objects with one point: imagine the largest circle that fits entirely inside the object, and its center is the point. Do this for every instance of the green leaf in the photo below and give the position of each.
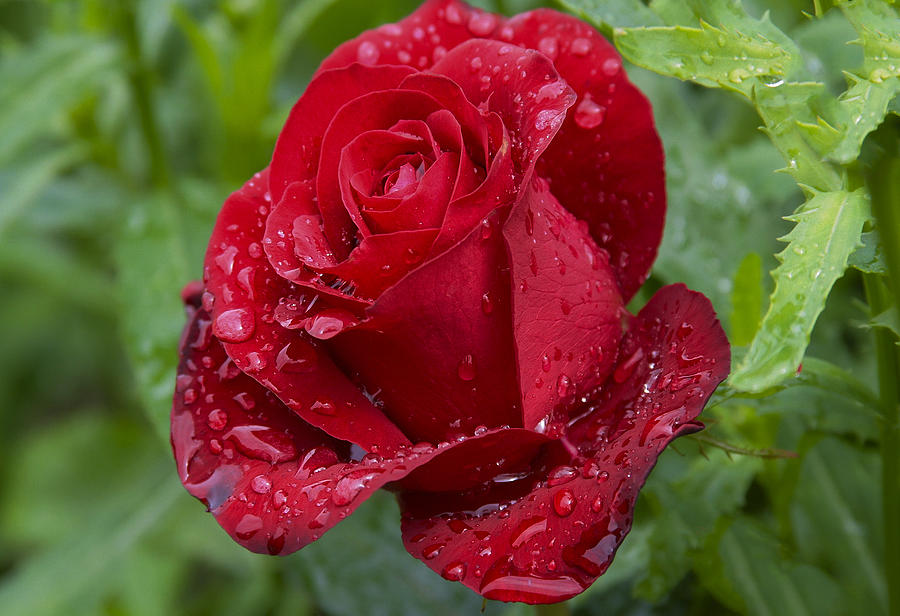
(689, 494)
(746, 300)
(785, 108)
(350, 568)
(889, 319)
(72, 573)
(878, 26)
(745, 567)
(154, 263)
(827, 232)
(723, 48)
(609, 14)
(837, 498)
(868, 257)
(38, 83)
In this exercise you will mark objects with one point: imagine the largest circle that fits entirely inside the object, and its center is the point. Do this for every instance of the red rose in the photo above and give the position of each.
(425, 291)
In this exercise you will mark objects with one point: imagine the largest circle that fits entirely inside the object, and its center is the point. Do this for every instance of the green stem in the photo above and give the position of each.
(882, 293)
(140, 80)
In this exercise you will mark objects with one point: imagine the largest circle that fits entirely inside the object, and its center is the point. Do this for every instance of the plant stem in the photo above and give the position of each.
(140, 80)
(884, 187)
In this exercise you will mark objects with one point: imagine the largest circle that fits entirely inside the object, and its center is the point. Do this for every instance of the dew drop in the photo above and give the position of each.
(487, 304)
(564, 503)
(323, 407)
(217, 419)
(367, 53)
(549, 46)
(248, 526)
(581, 47)
(482, 24)
(431, 551)
(611, 66)
(235, 325)
(466, 368)
(455, 571)
(260, 484)
(589, 114)
(296, 356)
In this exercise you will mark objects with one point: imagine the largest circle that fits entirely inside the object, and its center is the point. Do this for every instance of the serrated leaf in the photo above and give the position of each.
(790, 124)
(609, 14)
(745, 567)
(878, 26)
(724, 47)
(859, 111)
(746, 300)
(827, 231)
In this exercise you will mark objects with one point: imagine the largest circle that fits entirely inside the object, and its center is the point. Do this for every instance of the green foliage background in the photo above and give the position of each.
(125, 123)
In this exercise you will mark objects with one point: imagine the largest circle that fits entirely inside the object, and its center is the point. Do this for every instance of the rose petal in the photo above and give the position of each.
(437, 344)
(520, 85)
(566, 307)
(606, 163)
(551, 536)
(373, 111)
(245, 295)
(418, 40)
(296, 156)
(272, 481)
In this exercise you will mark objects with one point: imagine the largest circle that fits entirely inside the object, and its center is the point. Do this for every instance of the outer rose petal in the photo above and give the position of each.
(606, 163)
(566, 307)
(272, 481)
(245, 293)
(419, 40)
(552, 537)
(438, 343)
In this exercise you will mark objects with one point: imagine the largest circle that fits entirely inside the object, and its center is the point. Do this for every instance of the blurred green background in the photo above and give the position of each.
(123, 126)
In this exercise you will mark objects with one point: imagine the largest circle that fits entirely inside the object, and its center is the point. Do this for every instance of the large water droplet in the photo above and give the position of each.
(564, 502)
(235, 325)
(482, 24)
(262, 443)
(349, 487)
(431, 551)
(260, 484)
(329, 323)
(589, 114)
(581, 47)
(455, 571)
(367, 53)
(611, 66)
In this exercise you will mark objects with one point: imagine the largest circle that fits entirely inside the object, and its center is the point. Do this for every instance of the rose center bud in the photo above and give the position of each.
(406, 176)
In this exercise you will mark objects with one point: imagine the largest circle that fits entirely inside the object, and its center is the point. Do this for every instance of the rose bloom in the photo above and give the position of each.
(425, 291)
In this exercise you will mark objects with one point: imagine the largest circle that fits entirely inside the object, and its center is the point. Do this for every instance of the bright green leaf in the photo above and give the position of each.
(868, 257)
(746, 300)
(827, 232)
(610, 14)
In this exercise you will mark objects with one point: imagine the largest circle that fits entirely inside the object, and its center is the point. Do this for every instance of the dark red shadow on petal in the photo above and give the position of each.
(566, 307)
(437, 345)
(606, 163)
(259, 315)
(549, 537)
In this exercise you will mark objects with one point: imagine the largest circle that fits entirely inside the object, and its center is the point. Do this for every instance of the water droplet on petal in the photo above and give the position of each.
(248, 526)
(581, 47)
(260, 484)
(466, 368)
(487, 304)
(432, 551)
(235, 325)
(564, 503)
(589, 114)
(329, 323)
(297, 356)
(217, 419)
(367, 53)
(549, 46)
(482, 24)
(455, 571)
(611, 66)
